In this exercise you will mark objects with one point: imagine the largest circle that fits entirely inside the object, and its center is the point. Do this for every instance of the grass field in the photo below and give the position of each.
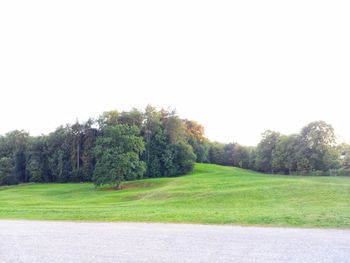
(212, 194)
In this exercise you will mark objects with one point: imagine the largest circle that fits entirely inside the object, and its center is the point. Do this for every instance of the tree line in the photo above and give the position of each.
(134, 144)
(313, 151)
(114, 147)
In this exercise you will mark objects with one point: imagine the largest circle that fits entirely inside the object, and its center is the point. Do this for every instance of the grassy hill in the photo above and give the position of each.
(212, 194)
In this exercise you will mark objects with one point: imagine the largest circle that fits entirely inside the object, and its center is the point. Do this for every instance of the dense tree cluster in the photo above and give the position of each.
(120, 146)
(311, 152)
(114, 147)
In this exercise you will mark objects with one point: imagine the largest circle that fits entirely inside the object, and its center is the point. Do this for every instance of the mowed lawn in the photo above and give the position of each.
(212, 195)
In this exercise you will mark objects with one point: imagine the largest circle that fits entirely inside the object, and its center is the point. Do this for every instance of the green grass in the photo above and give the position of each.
(211, 195)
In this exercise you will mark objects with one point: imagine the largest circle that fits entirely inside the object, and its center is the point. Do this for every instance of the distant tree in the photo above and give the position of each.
(317, 150)
(158, 143)
(217, 153)
(284, 156)
(174, 127)
(90, 134)
(5, 148)
(108, 118)
(241, 156)
(229, 154)
(75, 136)
(16, 145)
(183, 158)
(155, 143)
(265, 149)
(59, 144)
(67, 154)
(252, 158)
(196, 138)
(194, 130)
(117, 154)
(36, 174)
(7, 175)
(344, 152)
(37, 160)
(20, 166)
(131, 118)
(166, 140)
(168, 167)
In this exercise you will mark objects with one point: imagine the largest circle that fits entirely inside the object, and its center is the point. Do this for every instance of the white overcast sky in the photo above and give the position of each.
(237, 67)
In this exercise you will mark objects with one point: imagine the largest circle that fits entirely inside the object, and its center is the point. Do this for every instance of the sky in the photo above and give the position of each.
(237, 67)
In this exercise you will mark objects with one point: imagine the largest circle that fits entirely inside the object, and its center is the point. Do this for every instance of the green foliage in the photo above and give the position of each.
(37, 160)
(118, 152)
(60, 156)
(35, 172)
(344, 152)
(167, 152)
(241, 156)
(67, 154)
(20, 166)
(317, 147)
(284, 156)
(196, 138)
(183, 159)
(172, 145)
(108, 118)
(265, 149)
(7, 176)
(87, 156)
(312, 151)
(131, 118)
(155, 143)
(229, 154)
(15, 146)
(216, 153)
(75, 136)
(174, 127)
(201, 151)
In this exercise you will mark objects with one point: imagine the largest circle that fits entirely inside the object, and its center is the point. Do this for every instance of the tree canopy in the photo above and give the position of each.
(117, 152)
(114, 147)
(118, 146)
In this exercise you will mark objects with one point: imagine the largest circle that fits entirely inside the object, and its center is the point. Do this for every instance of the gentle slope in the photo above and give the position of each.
(212, 194)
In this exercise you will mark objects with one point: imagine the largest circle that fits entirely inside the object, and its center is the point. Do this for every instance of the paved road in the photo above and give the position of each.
(30, 241)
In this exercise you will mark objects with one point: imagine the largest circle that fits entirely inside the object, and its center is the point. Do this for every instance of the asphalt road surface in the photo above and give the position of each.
(51, 242)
